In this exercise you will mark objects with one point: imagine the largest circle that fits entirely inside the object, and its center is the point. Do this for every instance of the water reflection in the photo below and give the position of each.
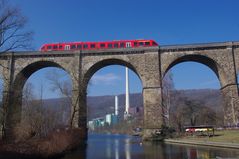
(172, 151)
(108, 148)
(127, 147)
(116, 149)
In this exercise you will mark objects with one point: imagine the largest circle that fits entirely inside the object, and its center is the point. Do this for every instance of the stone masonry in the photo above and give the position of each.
(150, 64)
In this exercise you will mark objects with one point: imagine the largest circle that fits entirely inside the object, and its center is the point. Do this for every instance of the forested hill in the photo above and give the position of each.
(209, 97)
(98, 106)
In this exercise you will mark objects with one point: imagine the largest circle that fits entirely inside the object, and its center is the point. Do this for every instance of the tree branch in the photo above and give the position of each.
(12, 33)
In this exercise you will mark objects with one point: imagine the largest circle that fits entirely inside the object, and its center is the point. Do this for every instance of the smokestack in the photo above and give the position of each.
(127, 91)
(116, 106)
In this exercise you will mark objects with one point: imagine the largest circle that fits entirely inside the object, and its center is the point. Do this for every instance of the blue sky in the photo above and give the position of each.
(167, 22)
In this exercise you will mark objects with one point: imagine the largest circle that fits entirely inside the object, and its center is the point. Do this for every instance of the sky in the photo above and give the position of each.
(167, 22)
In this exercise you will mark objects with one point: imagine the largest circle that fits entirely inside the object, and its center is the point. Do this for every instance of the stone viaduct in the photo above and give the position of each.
(150, 64)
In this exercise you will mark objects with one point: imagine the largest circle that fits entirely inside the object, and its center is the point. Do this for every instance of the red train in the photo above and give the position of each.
(98, 45)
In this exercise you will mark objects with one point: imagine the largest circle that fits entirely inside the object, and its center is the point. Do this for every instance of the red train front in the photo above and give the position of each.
(98, 45)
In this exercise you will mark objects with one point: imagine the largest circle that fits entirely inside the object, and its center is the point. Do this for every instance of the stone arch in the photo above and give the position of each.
(88, 71)
(26, 72)
(106, 62)
(15, 98)
(209, 62)
(223, 73)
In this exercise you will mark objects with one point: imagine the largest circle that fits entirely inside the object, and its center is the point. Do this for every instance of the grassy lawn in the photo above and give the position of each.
(229, 136)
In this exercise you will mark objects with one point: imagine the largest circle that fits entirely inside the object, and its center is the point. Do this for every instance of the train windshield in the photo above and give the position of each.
(154, 43)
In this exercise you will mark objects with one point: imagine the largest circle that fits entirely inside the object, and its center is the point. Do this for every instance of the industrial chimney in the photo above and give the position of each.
(126, 93)
(116, 106)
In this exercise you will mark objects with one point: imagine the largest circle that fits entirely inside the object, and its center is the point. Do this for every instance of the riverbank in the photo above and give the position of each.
(224, 139)
(54, 145)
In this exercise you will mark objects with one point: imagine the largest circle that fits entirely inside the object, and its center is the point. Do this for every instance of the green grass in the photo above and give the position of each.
(229, 136)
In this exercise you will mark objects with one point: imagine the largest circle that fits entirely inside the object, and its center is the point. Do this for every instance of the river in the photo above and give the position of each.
(102, 146)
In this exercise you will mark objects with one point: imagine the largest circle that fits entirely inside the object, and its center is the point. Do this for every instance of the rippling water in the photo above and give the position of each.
(102, 146)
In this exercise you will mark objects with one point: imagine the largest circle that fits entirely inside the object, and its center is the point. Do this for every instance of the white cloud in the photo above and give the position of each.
(107, 79)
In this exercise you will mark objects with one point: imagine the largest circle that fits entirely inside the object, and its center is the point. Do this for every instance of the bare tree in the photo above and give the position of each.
(192, 110)
(207, 116)
(58, 84)
(187, 112)
(12, 28)
(13, 36)
(28, 94)
(37, 120)
(63, 88)
(178, 117)
(168, 88)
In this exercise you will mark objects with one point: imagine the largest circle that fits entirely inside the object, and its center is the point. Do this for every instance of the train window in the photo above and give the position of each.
(55, 47)
(135, 43)
(73, 46)
(49, 47)
(147, 43)
(110, 45)
(60, 47)
(102, 45)
(141, 43)
(67, 47)
(85, 46)
(79, 46)
(121, 44)
(92, 45)
(116, 45)
(128, 44)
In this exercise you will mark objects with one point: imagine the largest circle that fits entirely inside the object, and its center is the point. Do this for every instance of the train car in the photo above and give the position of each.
(98, 45)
